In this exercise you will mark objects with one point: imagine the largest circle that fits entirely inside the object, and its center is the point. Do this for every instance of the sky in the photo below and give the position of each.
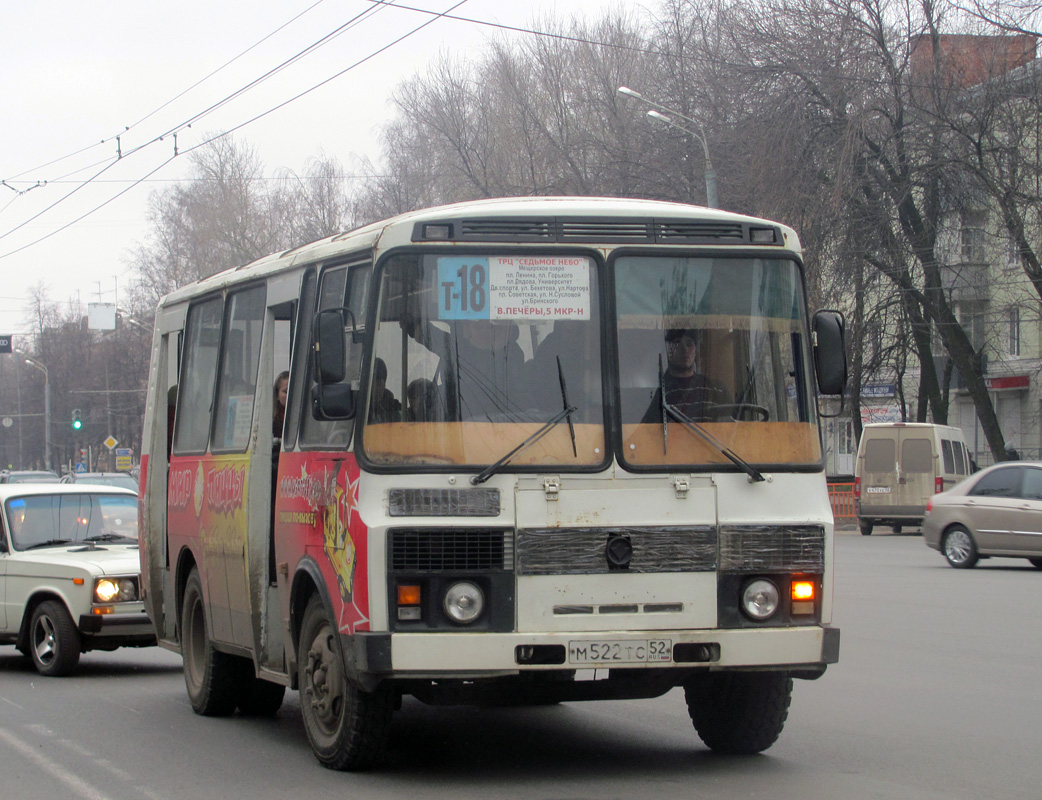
(75, 74)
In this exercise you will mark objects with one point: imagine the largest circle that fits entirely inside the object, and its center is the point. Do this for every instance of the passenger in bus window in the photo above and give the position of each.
(484, 363)
(490, 366)
(687, 390)
(384, 406)
(421, 401)
(278, 408)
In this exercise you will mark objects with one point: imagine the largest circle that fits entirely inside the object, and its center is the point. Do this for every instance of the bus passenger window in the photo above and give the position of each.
(199, 373)
(239, 362)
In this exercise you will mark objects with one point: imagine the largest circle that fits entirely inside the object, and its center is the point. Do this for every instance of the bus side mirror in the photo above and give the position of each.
(331, 397)
(830, 355)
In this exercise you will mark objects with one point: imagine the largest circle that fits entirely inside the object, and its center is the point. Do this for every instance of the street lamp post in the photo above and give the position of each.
(668, 119)
(32, 362)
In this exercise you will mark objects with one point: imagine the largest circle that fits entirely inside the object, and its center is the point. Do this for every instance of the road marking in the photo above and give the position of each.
(75, 784)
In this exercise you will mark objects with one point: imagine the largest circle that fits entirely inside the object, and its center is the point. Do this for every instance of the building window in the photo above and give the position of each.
(973, 319)
(1014, 331)
(972, 237)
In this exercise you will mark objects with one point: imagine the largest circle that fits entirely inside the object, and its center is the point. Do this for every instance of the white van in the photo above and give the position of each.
(900, 465)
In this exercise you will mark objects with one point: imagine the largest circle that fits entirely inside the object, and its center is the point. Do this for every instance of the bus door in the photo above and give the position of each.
(234, 451)
(280, 324)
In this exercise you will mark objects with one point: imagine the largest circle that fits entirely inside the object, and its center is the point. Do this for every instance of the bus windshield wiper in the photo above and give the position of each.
(670, 410)
(49, 543)
(566, 411)
(564, 404)
(492, 469)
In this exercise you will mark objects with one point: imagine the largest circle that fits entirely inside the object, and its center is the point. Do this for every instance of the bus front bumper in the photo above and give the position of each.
(797, 649)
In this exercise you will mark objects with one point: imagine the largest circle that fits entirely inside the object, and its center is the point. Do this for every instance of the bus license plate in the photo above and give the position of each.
(620, 651)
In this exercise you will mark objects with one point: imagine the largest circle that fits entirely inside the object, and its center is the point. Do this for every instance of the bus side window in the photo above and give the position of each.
(240, 360)
(198, 376)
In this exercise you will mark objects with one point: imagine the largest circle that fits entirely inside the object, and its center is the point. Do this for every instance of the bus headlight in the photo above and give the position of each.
(115, 590)
(760, 599)
(464, 602)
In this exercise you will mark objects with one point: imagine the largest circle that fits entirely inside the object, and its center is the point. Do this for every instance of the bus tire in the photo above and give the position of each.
(738, 712)
(259, 698)
(346, 726)
(54, 641)
(211, 677)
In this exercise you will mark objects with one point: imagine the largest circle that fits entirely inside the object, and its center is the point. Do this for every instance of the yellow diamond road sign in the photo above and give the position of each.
(110, 442)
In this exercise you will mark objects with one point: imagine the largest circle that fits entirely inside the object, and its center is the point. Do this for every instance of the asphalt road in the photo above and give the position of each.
(937, 695)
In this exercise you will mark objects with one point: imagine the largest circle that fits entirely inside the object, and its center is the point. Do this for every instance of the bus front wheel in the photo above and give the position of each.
(211, 677)
(738, 712)
(346, 726)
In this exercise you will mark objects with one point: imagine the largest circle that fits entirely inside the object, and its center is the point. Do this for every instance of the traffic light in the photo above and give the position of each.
(77, 419)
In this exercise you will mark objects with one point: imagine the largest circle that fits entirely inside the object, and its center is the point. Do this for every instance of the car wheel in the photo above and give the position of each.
(1036, 562)
(54, 641)
(866, 526)
(346, 726)
(212, 678)
(895, 528)
(738, 712)
(959, 548)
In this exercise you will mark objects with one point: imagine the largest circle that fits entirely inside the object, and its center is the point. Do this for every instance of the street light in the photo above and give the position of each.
(32, 362)
(670, 119)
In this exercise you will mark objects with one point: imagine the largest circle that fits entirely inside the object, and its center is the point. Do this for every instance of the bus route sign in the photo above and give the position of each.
(514, 287)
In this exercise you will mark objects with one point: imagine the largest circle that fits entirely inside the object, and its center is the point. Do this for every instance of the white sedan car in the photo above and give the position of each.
(70, 573)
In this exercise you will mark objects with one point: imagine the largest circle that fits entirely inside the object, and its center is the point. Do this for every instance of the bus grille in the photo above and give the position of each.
(772, 548)
(445, 550)
(562, 551)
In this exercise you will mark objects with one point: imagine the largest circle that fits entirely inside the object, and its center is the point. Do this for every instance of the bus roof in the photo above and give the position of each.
(398, 231)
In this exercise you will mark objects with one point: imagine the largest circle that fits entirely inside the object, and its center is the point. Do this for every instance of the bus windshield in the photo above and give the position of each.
(475, 354)
(713, 362)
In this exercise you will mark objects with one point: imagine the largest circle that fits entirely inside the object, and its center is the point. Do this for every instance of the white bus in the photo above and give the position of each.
(533, 450)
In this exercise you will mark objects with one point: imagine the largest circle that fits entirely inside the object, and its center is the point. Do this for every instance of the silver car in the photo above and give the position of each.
(996, 512)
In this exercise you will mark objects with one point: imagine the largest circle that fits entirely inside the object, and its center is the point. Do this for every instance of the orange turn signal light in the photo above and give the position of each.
(77, 581)
(802, 590)
(408, 595)
(802, 594)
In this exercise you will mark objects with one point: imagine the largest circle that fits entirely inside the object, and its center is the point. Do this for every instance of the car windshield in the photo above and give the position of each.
(475, 354)
(120, 479)
(32, 477)
(35, 520)
(713, 362)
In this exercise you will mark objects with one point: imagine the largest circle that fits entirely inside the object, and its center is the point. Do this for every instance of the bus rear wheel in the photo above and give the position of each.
(211, 677)
(738, 712)
(346, 726)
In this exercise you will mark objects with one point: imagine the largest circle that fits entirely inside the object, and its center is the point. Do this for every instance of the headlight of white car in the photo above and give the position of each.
(113, 589)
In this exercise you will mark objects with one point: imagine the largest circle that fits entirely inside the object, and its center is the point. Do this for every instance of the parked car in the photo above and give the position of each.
(996, 512)
(899, 466)
(70, 573)
(124, 479)
(29, 476)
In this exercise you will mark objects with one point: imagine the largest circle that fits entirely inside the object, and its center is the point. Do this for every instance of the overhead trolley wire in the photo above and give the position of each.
(270, 110)
(168, 102)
